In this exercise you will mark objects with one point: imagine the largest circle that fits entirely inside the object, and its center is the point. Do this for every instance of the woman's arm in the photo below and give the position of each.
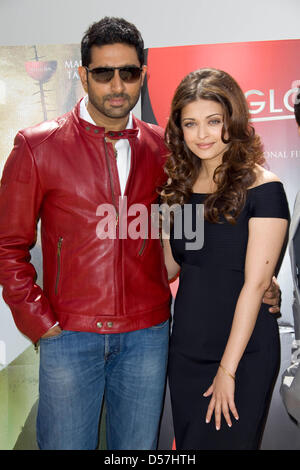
(266, 237)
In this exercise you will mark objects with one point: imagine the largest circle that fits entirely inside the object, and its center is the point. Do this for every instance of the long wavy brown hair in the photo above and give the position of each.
(236, 173)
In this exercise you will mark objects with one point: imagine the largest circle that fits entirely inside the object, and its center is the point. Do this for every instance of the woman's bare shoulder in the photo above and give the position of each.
(263, 176)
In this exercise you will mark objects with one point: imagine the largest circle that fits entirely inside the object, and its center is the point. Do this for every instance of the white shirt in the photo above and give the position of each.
(122, 146)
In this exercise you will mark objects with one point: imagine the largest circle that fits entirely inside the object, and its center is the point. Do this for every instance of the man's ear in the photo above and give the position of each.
(83, 73)
(144, 73)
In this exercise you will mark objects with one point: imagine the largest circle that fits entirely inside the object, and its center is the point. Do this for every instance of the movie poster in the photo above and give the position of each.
(37, 83)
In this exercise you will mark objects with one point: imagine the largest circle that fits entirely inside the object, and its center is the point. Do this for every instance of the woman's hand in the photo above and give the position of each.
(222, 400)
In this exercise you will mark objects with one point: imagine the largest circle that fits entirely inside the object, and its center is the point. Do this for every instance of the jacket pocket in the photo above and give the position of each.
(58, 262)
(52, 338)
(143, 246)
(160, 325)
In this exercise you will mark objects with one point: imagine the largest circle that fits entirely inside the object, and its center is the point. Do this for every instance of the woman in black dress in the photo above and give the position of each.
(224, 350)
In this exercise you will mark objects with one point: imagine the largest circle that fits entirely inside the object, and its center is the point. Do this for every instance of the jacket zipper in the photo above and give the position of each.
(111, 182)
(117, 287)
(59, 245)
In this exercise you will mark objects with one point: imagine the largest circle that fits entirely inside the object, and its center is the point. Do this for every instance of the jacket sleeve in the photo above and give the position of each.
(20, 200)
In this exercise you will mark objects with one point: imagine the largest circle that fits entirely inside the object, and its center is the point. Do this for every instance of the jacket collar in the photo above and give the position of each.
(95, 131)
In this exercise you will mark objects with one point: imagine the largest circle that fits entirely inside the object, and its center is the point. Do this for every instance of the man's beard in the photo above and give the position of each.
(114, 112)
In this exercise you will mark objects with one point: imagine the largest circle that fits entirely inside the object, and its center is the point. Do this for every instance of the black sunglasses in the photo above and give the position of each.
(128, 74)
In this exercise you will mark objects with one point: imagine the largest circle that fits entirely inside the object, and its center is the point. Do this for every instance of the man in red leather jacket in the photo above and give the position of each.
(66, 172)
(102, 317)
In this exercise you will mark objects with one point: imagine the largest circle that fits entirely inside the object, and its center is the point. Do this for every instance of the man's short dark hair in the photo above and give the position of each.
(297, 107)
(111, 30)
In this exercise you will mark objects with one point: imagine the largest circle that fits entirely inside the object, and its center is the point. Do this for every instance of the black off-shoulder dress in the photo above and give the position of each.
(210, 283)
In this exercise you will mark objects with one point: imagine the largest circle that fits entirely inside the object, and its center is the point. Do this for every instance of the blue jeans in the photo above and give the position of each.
(78, 368)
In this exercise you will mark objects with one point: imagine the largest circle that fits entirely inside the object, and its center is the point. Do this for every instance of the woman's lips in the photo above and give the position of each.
(205, 146)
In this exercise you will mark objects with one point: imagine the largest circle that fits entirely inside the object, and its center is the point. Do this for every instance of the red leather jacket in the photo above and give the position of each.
(62, 171)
